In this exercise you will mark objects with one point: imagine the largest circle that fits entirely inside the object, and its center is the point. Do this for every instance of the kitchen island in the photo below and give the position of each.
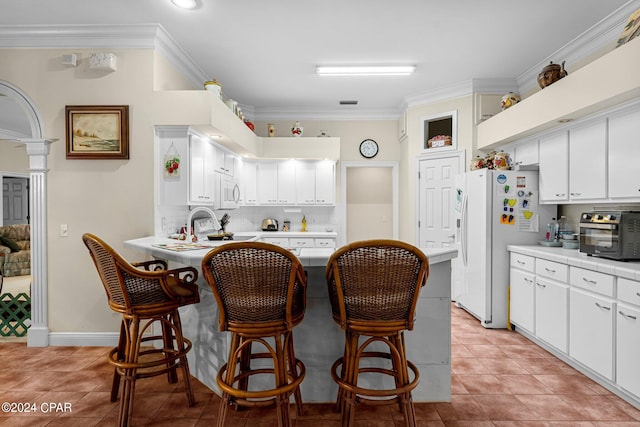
(318, 339)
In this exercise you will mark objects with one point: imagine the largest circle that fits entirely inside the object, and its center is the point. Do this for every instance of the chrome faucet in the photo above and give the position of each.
(201, 209)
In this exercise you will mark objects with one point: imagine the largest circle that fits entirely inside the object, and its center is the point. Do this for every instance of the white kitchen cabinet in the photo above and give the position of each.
(324, 243)
(287, 182)
(280, 241)
(301, 242)
(325, 183)
(628, 348)
(591, 331)
(627, 333)
(521, 295)
(624, 155)
(248, 183)
(551, 308)
(526, 153)
(587, 161)
(553, 161)
(267, 182)
(306, 183)
(201, 170)
(225, 163)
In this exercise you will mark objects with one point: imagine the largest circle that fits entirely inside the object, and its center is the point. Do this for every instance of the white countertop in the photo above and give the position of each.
(310, 257)
(573, 257)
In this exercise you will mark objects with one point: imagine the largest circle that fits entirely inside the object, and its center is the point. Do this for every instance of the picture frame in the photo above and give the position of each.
(97, 131)
(439, 132)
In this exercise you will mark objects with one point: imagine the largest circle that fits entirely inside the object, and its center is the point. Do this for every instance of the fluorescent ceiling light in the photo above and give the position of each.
(367, 70)
(185, 4)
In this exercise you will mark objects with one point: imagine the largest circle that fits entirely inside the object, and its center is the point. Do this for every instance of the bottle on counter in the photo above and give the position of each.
(304, 223)
(562, 227)
(556, 231)
(549, 234)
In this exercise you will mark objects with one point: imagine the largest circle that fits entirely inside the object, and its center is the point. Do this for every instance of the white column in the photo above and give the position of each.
(38, 150)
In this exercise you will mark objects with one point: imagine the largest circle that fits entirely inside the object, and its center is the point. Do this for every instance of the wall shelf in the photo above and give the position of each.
(607, 81)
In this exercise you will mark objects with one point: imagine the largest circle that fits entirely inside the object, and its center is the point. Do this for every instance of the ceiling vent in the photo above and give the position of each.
(348, 102)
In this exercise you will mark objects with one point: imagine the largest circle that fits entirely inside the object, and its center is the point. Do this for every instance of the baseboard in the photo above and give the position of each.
(83, 339)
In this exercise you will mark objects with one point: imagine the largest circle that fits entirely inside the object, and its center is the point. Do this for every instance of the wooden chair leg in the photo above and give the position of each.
(167, 342)
(122, 345)
(293, 371)
(184, 363)
(132, 352)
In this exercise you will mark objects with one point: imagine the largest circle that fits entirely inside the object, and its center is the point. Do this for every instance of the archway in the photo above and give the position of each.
(38, 150)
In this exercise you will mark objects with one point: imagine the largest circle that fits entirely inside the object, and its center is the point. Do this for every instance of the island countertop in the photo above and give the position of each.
(319, 341)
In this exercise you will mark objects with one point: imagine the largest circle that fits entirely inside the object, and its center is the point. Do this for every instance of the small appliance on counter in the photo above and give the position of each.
(611, 234)
(269, 224)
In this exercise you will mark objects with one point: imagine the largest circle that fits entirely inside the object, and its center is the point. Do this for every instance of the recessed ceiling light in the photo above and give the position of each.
(185, 4)
(367, 70)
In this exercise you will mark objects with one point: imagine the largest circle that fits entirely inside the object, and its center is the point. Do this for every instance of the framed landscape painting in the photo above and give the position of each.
(97, 131)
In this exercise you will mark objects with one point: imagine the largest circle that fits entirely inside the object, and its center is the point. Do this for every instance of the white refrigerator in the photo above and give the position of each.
(494, 208)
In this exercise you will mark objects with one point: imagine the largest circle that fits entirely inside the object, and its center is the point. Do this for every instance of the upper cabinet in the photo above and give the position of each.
(587, 161)
(624, 155)
(201, 170)
(225, 162)
(554, 158)
(607, 81)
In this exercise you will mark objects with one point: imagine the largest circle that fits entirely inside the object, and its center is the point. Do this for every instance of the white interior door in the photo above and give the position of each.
(15, 200)
(436, 198)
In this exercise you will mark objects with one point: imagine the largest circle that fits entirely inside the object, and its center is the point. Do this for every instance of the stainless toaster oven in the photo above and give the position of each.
(611, 234)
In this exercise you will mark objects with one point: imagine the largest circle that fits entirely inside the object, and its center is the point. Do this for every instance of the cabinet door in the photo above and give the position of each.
(305, 183)
(591, 331)
(268, 183)
(201, 169)
(286, 182)
(325, 183)
(628, 349)
(554, 160)
(526, 153)
(624, 155)
(552, 313)
(249, 183)
(521, 297)
(587, 161)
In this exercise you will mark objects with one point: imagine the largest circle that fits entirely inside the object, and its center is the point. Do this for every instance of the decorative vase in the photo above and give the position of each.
(296, 130)
(551, 74)
(213, 86)
(509, 100)
(271, 130)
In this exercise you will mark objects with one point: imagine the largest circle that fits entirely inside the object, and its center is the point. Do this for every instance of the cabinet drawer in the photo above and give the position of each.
(592, 281)
(280, 241)
(629, 291)
(301, 242)
(552, 270)
(325, 243)
(523, 262)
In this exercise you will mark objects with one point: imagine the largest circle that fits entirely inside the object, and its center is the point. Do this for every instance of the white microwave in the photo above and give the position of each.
(227, 192)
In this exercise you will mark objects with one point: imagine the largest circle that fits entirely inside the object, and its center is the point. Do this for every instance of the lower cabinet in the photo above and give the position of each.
(591, 331)
(552, 303)
(521, 299)
(628, 348)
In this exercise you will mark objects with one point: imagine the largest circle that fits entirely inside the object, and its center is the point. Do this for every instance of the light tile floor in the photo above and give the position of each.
(499, 379)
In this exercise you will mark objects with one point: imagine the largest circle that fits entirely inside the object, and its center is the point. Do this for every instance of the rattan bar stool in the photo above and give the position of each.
(260, 290)
(145, 293)
(373, 288)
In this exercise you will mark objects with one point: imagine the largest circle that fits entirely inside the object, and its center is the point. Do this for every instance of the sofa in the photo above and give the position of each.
(15, 250)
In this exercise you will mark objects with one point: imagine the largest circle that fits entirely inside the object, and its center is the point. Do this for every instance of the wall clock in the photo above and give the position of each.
(368, 148)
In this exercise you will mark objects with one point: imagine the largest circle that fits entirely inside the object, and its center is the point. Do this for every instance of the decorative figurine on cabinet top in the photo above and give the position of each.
(509, 99)
(296, 130)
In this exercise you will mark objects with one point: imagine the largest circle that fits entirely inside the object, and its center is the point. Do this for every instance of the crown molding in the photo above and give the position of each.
(595, 41)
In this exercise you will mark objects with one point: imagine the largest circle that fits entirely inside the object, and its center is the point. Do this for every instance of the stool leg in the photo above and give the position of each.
(293, 371)
(184, 363)
(281, 374)
(133, 349)
(227, 378)
(350, 376)
(167, 342)
(244, 365)
(402, 378)
(122, 345)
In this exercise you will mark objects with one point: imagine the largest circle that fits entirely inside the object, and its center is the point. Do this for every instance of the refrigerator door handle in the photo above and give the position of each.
(463, 230)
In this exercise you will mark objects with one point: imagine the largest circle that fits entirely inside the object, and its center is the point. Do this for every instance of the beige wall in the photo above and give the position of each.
(369, 203)
(13, 158)
(111, 198)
